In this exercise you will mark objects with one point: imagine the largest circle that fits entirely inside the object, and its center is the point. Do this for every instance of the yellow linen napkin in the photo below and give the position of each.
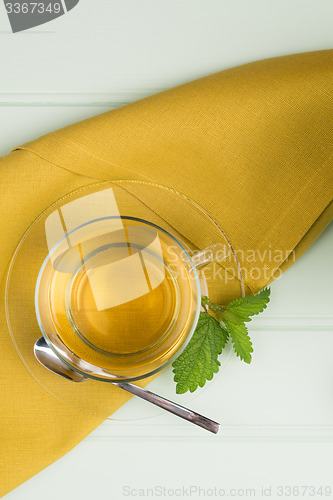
(252, 145)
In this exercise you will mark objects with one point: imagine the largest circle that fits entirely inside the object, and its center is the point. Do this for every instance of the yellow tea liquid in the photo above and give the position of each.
(126, 328)
(147, 329)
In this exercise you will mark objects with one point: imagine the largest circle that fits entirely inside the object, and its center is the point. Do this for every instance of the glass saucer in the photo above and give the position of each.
(168, 209)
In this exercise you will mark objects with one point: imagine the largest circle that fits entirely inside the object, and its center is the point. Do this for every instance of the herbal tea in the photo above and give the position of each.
(132, 326)
(127, 304)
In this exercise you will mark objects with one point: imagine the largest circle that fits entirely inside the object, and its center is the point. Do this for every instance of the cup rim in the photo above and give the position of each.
(108, 376)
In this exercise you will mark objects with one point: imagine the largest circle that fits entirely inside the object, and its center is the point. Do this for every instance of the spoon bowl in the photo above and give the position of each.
(48, 358)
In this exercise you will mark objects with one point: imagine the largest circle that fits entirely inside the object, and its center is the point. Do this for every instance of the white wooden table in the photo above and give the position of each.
(276, 414)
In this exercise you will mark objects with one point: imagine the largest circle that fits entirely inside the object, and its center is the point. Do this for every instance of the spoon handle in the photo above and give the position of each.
(174, 408)
(52, 362)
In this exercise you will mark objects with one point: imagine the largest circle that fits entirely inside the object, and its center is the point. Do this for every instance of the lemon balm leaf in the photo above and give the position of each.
(199, 360)
(240, 340)
(242, 308)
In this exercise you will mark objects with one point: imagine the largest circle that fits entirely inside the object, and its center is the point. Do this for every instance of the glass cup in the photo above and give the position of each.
(118, 298)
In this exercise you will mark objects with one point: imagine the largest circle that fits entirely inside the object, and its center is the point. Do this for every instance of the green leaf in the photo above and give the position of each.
(219, 310)
(230, 316)
(198, 362)
(240, 339)
(244, 307)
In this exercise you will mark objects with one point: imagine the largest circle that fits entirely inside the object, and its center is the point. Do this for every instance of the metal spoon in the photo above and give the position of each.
(50, 360)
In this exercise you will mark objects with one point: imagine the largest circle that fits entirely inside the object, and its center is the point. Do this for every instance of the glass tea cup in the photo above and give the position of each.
(118, 298)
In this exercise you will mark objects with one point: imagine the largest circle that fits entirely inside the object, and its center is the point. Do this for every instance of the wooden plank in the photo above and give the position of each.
(149, 45)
